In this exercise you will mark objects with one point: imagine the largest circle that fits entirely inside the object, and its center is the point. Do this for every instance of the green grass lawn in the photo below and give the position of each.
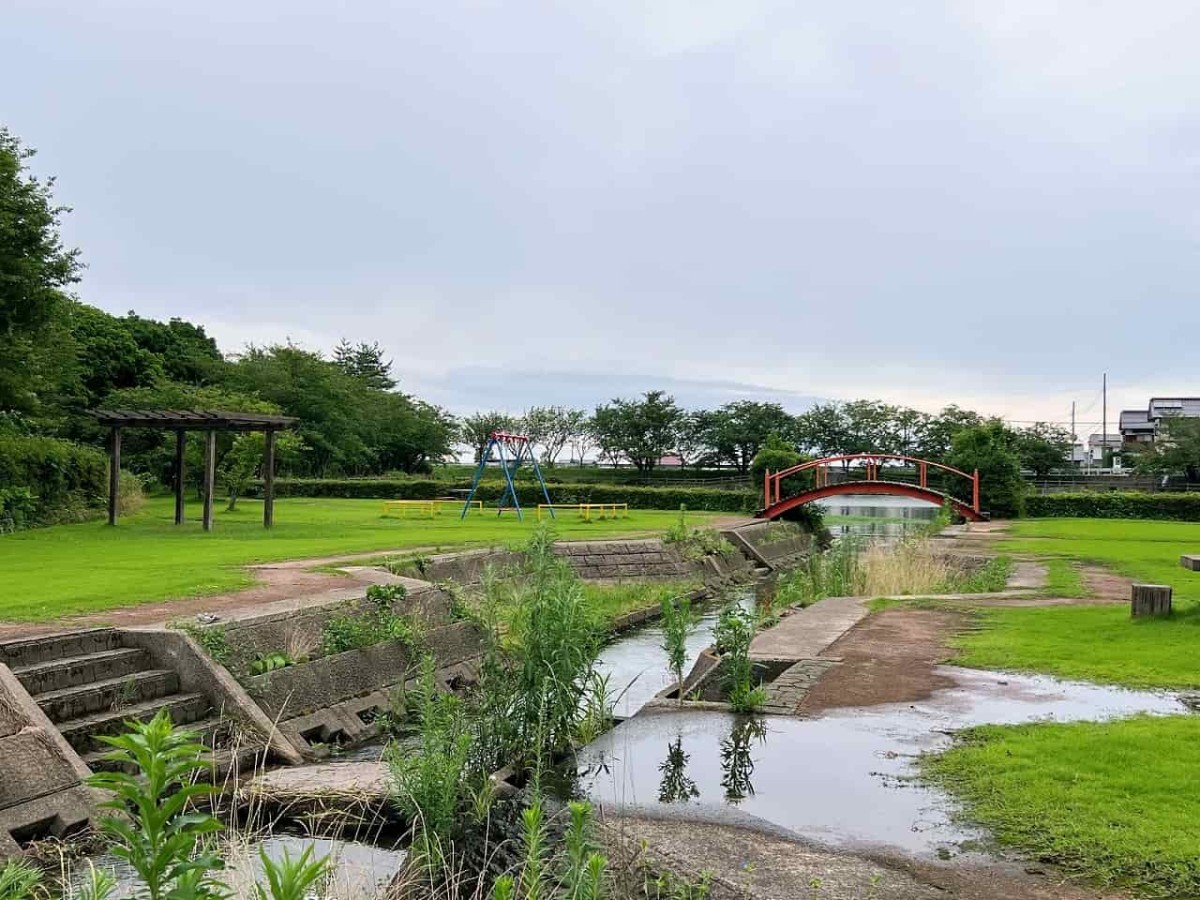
(1141, 550)
(1108, 801)
(1098, 643)
(51, 572)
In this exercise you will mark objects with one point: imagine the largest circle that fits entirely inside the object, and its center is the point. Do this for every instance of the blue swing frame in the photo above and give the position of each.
(512, 451)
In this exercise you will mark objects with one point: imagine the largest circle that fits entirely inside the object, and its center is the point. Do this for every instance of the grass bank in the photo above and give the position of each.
(1104, 800)
(1097, 643)
(52, 572)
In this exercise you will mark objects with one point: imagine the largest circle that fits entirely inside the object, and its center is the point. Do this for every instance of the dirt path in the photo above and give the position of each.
(890, 657)
(276, 581)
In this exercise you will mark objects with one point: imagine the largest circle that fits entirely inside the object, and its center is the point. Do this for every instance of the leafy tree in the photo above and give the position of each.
(1175, 451)
(737, 431)
(243, 463)
(330, 404)
(775, 456)
(551, 427)
(109, 356)
(939, 432)
(871, 427)
(184, 351)
(641, 431)
(823, 430)
(1043, 447)
(583, 437)
(475, 429)
(365, 362)
(986, 448)
(406, 434)
(35, 270)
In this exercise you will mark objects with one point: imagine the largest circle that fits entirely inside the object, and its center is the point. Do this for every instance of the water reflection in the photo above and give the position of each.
(833, 778)
(737, 765)
(675, 786)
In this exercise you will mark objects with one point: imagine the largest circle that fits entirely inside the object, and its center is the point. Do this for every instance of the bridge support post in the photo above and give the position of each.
(975, 491)
(766, 488)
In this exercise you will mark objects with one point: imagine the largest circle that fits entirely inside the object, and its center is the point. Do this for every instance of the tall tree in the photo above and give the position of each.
(823, 430)
(1176, 450)
(35, 271)
(365, 362)
(938, 437)
(474, 430)
(642, 431)
(1042, 447)
(329, 403)
(736, 431)
(550, 427)
(987, 448)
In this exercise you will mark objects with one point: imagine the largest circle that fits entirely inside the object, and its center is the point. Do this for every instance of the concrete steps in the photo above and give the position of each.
(110, 694)
(81, 732)
(89, 685)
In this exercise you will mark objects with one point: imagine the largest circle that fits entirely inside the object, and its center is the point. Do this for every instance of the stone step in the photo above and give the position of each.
(31, 651)
(110, 694)
(58, 674)
(81, 733)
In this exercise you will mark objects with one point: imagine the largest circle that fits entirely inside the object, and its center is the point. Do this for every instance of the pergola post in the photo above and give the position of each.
(180, 447)
(114, 475)
(210, 476)
(269, 479)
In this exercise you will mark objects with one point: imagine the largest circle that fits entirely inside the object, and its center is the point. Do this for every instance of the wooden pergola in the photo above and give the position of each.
(181, 421)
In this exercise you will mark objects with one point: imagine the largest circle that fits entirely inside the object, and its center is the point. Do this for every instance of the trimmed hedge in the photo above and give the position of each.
(529, 494)
(44, 481)
(1115, 505)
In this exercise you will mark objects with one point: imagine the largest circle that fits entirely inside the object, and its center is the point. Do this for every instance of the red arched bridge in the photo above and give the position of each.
(862, 477)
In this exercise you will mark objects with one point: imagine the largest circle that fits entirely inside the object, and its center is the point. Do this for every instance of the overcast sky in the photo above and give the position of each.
(974, 202)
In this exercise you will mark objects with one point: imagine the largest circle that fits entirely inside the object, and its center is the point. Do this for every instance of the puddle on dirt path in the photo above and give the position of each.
(843, 779)
(359, 870)
(636, 665)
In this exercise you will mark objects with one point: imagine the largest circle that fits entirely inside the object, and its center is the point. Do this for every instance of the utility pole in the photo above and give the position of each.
(1074, 439)
(1104, 416)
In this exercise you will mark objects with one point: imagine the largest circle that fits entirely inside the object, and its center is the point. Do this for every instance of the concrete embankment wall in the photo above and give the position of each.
(41, 778)
(631, 560)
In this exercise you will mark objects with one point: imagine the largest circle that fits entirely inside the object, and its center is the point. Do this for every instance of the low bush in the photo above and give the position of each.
(353, 632)
(46, 481)
(1115, 505)
(528, 493)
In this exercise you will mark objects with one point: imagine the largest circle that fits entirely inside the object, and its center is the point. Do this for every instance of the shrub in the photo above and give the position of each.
(708, 499)
(732, 636)
(1115, 505)
(353, 632)
(44, 481)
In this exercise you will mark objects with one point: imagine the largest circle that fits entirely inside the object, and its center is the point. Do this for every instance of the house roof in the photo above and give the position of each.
(1135, 420)
(1173, 406)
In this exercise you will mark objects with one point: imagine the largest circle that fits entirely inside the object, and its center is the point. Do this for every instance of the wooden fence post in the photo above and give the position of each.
(1151, 600)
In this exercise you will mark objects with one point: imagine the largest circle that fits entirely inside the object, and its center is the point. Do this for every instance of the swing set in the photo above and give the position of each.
(510, 451)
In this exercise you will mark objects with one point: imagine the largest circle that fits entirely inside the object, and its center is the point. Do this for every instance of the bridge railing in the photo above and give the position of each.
(868, 465)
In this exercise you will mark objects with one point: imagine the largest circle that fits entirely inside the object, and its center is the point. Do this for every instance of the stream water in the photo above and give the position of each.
(844, 778)
(358, 869)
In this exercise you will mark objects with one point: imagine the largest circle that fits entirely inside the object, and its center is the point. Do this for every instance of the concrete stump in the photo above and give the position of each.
(1151, 600)
(1191, 563)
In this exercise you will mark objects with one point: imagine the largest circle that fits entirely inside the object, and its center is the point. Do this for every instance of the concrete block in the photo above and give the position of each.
(1190, 562)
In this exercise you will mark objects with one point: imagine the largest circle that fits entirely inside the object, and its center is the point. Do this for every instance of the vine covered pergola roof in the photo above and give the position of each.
(192, 419)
